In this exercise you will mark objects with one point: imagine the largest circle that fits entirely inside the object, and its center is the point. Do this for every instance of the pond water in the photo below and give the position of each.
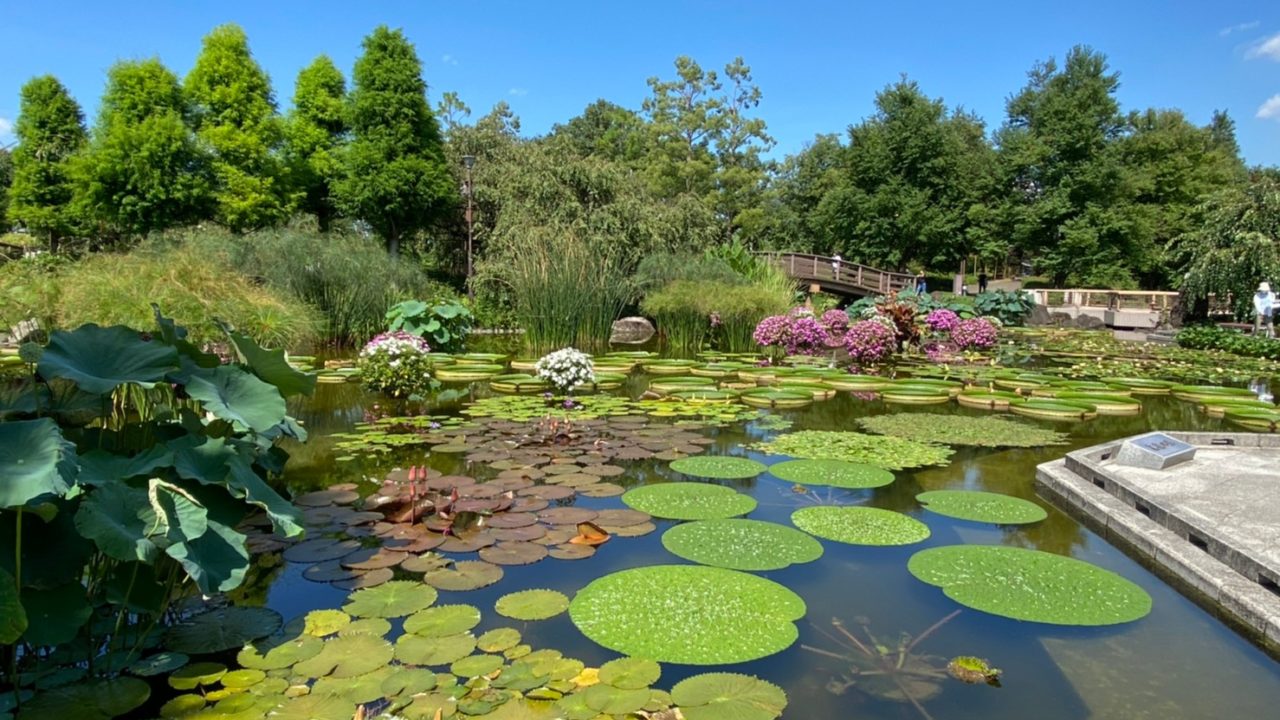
(1178, 662)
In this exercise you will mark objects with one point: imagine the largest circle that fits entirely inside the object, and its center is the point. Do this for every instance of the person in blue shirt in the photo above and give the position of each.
(922, 287)
(1264, 305)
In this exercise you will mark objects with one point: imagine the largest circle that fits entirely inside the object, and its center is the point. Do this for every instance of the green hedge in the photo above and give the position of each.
(1210, 337)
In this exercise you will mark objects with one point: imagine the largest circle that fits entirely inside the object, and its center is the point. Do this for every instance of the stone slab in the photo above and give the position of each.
(1155, 451)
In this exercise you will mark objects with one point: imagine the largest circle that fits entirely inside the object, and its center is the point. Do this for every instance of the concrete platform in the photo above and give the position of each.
(1212, 525)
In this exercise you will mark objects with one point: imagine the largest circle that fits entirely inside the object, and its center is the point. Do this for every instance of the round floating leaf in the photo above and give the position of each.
(882, 451)
(368, 626)
(689, 501)
(476, 665)
(834, 473)
(961, 430)
(408, 681)
(347, 656)
(741, 544)
(99, 700)
(860, 525)
(182, 705)
(499, 640)
(532, 604)
(728, 696)
(196, 674)
(243, 678)
(325, 622)
(100, 359)
(465, 575)
(442, 620)
(159, 664)
(982, 506)
(390, 600)
(315, 707)
(278, 652)
(417, 650)
(222, 629)
(1030, 585)
(630, 673)
(718, 467)
(688, 614)
(611, 700)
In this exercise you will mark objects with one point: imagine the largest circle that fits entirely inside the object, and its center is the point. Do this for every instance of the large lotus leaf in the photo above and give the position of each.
(175, 511)
(98, 467)
(279, 651)
(238, 397)
(1030, 585)
(982, 506)
(728, 696)
(112, 516)
(860, 525)
(35, 460)
(741, 544)
(217, 560)
(442, 620)
(216, 461)
(176, 335)
(630, 673)
(688, 614)
(101, 359)
(53, 553)
(347, 656)
(835, 473)
(397, 598)
(135, 586)
(13, 618)
(689, 501)
(271, 366)
(98, 700)
(55, 616)
(222, 629)
(718, 467)
(532, 604)
(416, 650)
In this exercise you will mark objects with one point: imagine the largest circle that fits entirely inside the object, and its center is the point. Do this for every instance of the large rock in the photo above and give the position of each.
(1039, 316)
(1089, 322)
(632, 331)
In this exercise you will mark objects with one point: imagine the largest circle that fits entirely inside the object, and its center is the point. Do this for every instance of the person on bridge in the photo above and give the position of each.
(1264, 307)
(835, 265)
(922, 286)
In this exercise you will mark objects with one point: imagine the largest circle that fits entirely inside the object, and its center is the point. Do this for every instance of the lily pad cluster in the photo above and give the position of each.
(961, 430)
(886, 452)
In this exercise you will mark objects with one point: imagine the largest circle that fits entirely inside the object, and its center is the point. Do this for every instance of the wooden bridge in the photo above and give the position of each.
(838, 276)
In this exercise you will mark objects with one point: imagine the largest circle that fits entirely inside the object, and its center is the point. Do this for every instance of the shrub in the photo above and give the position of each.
(30, 288)
(974, 334)
(1010, 306)
(446, 322)
(693, 314)
(836, 322)
(942, 320)
(796, 333)
(566, 369)
(870, 341)
(1210, 337)
(396, 364)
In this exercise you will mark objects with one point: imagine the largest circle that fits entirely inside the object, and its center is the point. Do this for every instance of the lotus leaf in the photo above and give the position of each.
(532, 604)
(237, 397)
(688, 614)
(465, 575)
(394, 599)
(476, 665)
(55, 616)
(99, 700)
(718, 467)
(222, 629)
(271, 366)
(345, 657)
(689, 501)
(741, 544)
(325, 622)
(982, 506)
(100, 359)
(860, 525)
(442, 620)
(882, 451)
(315, 707)
(834, 473)
(35, 460)
(159, 664)
(1030, 585)
(499, 640)
(610, 700)
(961, 430)
(279, 651)
(417, 650)
(196, 674)
(728, 696)
(630, 673)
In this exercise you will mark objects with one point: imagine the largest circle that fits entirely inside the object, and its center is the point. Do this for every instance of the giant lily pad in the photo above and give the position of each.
(689, 501)
(718, 467)
(882, 451)
(442, 620)
(834, 473)
(397, 598)
(34, 460)
(532, 604)
(741, 544)
(100, 359)
(222, 629)
(961, 430)
(728, 696)
(860, 525)
(100, 700)
(982, 506)
(1030, 585)
(688, 614)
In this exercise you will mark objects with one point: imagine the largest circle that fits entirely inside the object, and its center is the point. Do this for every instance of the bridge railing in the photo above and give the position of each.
(1109, 299)
(822, 269)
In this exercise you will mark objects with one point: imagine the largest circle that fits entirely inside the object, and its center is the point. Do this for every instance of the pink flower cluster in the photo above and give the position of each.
(869, 341)
(942, 320)
(975, 334)
(836, 322)
(796, 333)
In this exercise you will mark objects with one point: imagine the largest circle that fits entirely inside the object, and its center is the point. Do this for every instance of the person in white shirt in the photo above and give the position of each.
(835, 265)
(1264, 305)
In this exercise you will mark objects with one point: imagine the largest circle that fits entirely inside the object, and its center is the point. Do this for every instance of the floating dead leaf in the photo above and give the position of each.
(590, 533)
(514, 553)
(571, 552)
(567, 516)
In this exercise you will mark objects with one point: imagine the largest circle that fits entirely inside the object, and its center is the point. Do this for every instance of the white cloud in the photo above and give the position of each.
(518, 92)
(6, 126)
(1267, 47)
(1270, 110)
(448, 59)
(1240, 27)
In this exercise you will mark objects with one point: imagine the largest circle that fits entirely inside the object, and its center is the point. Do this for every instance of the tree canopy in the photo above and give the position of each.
(50, 131)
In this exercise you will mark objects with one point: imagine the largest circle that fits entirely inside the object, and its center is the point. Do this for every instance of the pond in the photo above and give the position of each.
(1177, 662)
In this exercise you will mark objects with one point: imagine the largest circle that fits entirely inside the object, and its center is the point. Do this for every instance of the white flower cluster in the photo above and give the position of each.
(398, 343)
(566, 369)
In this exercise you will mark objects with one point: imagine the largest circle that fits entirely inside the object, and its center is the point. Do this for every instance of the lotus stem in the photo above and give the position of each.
(932, 628)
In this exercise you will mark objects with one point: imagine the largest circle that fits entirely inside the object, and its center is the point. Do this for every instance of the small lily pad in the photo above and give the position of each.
(833, 473)
(728, 696)
(442, 620)
(278, 652)
(498, 640)
(741, 544)
(243, 678)
(159, 664)
(689, 501)
(417, 650)
(611, 700)
(860, 525)
(222, 629)
(195, 675)
(397, 598)
(532, 604)
(325, 622)
(718, 467)
(476, 665)
(368, 626)
(345, 657)
(980, 506)
(630, 673)
(464, 575)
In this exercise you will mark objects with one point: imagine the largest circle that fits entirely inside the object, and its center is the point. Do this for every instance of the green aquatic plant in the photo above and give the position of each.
(973, 670)
(740, 544)
(532, 605)
(689, 501)
(860, 525)
(882, 451)
(982, 507)
(832, 473)
(1030, 585)
(718, 467)
(961, 430)
(688, 614)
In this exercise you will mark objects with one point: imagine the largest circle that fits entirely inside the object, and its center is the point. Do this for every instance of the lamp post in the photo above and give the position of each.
(468, 161)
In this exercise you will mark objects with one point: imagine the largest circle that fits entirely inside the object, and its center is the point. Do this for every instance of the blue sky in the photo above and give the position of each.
(818, 64)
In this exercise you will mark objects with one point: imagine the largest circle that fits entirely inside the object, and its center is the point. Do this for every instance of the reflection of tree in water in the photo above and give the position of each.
(258, 580)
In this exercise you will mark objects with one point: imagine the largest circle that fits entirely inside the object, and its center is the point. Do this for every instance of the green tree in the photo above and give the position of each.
(394, 176)
(795, 191)
(314, 133)
(452, 111)
(50, 131)
(143, 170)
(6, 179)
(606, 130)
(235, 115)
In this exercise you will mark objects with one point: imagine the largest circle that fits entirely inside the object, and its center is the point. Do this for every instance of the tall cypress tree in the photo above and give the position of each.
(50, 131)
(313, 135)
(143, 170)
(234, 113)
(394, 174)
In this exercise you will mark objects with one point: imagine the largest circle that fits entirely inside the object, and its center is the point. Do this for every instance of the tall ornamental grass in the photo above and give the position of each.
(691, 314)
